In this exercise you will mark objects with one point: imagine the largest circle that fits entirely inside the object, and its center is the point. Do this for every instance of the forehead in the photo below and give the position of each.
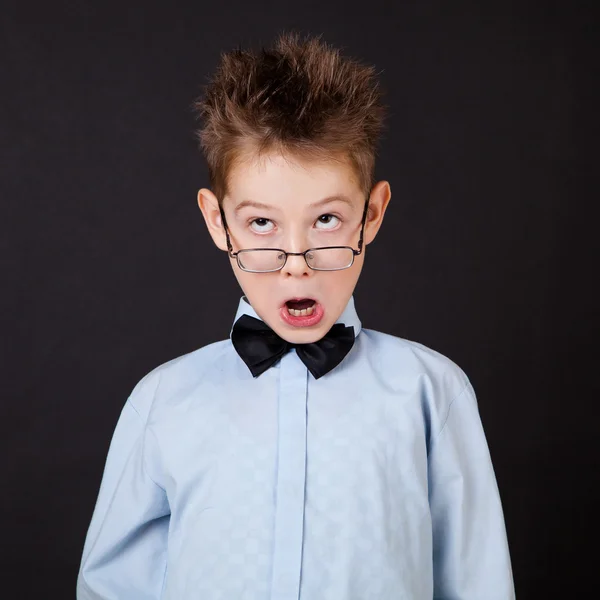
(277, 178)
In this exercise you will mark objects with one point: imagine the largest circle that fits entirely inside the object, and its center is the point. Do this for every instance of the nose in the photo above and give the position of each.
(295, 266)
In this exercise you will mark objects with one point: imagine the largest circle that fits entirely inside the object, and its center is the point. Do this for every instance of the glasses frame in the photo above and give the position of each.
(236, 254)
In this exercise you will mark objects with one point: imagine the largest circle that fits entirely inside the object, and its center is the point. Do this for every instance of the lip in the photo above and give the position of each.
(307, 321)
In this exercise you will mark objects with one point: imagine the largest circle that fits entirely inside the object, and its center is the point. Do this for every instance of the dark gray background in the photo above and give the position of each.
(485, 254)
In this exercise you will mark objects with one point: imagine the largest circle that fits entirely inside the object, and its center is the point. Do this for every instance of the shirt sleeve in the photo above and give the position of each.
(470, 549)
(124, 555)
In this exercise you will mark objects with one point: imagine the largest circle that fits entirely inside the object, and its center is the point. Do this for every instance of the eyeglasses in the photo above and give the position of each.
(269, 260)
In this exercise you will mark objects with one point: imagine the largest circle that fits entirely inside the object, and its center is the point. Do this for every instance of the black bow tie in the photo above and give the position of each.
(260, 347)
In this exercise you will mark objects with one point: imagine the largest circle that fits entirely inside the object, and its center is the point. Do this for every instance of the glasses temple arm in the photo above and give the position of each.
(224, 222)
(362, 229)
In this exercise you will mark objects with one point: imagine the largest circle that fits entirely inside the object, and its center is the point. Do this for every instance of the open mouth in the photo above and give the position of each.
(302, 312)
(301, 307)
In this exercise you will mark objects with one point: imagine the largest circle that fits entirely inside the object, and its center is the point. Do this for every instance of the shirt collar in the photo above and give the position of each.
(349, 317)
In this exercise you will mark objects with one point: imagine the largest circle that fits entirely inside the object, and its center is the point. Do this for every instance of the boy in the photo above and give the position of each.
(304, 457)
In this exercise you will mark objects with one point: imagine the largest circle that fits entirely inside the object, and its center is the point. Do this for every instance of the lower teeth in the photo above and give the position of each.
(301, 313)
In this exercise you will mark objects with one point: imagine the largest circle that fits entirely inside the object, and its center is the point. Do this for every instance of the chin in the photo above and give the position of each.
(302, 337)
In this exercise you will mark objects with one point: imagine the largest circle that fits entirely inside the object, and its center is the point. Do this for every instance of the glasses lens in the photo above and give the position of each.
(261, 261)
(330, 259)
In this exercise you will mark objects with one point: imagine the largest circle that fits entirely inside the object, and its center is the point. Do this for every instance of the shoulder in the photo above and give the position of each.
(412, 371)
(402, 362)
(177, 374)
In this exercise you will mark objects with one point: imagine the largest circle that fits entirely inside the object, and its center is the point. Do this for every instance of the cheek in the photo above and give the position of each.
(244, 279)
(339, 285)
(350, 276)
(257, 287)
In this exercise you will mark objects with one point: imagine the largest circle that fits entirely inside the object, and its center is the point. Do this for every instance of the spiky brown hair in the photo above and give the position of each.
(299, 98)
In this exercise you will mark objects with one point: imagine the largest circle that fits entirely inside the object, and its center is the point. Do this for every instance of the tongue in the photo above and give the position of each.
(300, 304)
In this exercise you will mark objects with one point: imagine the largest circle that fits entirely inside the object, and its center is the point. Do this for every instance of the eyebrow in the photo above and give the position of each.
(262, 206)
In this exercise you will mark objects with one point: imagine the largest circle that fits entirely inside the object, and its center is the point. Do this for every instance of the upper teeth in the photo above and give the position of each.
(301, 313)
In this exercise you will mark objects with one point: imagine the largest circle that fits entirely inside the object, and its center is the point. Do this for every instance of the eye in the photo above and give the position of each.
(327, 222)
(261, 225)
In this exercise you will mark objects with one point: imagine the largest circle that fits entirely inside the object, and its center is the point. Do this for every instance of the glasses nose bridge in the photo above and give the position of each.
(298, 262)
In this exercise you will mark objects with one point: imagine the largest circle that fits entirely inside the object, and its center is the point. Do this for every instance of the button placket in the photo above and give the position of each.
(291, 477)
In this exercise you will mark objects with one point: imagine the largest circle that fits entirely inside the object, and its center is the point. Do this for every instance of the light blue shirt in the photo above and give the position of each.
(373, 482)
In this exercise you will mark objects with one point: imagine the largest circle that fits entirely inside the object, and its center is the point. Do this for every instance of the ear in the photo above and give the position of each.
(378, 202)
(209, 205)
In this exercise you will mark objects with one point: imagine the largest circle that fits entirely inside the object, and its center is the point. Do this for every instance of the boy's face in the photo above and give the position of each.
(283, 202)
